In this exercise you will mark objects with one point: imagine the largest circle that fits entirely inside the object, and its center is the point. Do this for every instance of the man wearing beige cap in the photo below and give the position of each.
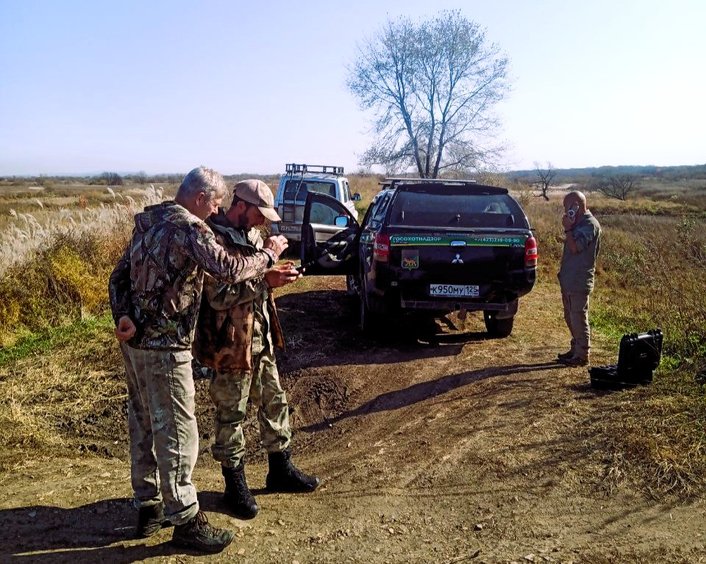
(236, 334)
(258, 193)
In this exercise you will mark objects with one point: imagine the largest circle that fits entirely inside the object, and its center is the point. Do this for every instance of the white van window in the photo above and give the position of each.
(298, 189)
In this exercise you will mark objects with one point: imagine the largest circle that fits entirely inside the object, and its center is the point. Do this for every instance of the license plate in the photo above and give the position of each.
(289, 228)
(454, 290)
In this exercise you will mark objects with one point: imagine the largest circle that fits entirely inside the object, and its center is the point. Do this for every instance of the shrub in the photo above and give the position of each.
(59, 271)
(65, 281)
(655, 267)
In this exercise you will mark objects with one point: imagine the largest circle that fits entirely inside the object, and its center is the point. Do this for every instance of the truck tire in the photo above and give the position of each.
(370, 322)
(498, 328)
(351, 285)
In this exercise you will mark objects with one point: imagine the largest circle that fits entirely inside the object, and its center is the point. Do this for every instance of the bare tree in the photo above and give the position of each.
(140, 177)
(111, 179)
(619, 186)
(432, 86)
(545, 177)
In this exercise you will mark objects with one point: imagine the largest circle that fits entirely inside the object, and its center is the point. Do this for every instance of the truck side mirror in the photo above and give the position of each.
(356, 197)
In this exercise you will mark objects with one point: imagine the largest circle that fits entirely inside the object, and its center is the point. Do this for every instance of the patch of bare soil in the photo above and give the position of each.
(452, 448)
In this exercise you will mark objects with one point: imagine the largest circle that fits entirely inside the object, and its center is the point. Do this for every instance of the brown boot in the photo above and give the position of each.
(564, 356)
(199, 535)
(575, 361)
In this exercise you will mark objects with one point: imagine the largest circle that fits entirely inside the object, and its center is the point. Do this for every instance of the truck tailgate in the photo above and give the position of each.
(474, 266)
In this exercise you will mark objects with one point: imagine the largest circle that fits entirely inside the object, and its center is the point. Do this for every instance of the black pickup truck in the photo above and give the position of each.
(426, 246)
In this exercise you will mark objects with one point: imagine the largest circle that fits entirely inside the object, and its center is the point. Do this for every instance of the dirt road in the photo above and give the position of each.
(461, 450)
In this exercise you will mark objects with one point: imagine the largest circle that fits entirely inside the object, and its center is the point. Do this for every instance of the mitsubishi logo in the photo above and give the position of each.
(457, 259)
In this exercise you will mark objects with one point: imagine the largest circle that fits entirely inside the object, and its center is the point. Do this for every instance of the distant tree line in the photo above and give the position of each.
(619, 182)
(115, 179)
(102, 179)
(586, 175)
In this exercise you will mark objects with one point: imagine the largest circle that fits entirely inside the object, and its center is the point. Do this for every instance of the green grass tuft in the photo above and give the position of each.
(43, 342)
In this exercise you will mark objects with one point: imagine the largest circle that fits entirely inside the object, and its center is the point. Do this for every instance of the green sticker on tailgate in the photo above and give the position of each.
(458, 240)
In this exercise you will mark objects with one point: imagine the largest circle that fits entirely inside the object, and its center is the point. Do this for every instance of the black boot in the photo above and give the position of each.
(150, 520)
(285, 477)
(197, 534)
(237, 495)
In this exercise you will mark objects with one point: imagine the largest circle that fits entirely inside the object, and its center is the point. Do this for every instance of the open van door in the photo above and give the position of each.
(329, 237)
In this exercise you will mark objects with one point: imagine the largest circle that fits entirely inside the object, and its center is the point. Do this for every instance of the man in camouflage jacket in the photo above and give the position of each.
(236, 335)
(155, 292)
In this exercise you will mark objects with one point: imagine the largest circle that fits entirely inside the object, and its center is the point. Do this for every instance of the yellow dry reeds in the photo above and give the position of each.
(26, 234)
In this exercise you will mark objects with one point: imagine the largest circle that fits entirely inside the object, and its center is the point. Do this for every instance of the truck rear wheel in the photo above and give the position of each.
(351, 285)
(498, 327)
(370, 322)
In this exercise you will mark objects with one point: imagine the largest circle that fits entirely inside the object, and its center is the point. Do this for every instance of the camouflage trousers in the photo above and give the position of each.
(230, 393)
(576, 317)
(164, 438)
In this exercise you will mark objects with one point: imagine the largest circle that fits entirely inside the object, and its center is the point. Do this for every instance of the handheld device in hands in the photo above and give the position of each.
(572, 211)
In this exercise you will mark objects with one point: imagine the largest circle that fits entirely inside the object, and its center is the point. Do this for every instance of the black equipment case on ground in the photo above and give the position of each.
(639, 355)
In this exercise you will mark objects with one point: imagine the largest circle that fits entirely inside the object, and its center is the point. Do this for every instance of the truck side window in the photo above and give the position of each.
(378, 212)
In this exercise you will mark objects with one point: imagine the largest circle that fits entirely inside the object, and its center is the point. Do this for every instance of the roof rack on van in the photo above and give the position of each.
(294, 168)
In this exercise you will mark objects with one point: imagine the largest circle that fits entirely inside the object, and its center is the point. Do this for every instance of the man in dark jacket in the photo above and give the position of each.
(155, 293)
(576, 275)
(236, 335)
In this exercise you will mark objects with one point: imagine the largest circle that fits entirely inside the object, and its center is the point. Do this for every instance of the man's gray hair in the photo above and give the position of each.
(202, 179)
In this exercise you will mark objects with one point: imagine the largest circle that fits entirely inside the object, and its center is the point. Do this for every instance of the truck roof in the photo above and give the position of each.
(439, 185)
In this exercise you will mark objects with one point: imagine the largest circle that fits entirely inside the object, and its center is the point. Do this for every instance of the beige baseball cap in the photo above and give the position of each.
(258, 193)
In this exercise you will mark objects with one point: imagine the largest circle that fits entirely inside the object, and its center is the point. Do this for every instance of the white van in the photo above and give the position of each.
(294, 186)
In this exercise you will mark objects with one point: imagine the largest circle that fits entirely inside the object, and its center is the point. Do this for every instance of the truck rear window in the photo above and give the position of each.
(297, 191)
(460, 210)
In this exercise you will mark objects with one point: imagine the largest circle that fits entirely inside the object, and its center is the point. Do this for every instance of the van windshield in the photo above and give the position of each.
(296, 190)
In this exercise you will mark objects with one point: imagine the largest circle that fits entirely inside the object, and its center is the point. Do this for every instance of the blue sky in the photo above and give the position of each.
(163, 86)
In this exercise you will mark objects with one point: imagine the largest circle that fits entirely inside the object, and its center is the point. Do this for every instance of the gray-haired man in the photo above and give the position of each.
(155, 293)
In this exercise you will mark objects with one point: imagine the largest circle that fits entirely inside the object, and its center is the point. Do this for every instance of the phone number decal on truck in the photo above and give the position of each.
(453, 240)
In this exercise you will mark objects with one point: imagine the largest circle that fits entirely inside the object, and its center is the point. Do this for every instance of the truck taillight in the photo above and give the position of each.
(381, 248)
(531, 252)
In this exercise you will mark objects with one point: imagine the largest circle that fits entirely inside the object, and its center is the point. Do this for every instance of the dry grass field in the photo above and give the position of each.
(62, 395)
(59, 245)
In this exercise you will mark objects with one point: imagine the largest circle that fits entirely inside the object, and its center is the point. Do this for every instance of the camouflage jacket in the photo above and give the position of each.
(224, 332)
(159, 279)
